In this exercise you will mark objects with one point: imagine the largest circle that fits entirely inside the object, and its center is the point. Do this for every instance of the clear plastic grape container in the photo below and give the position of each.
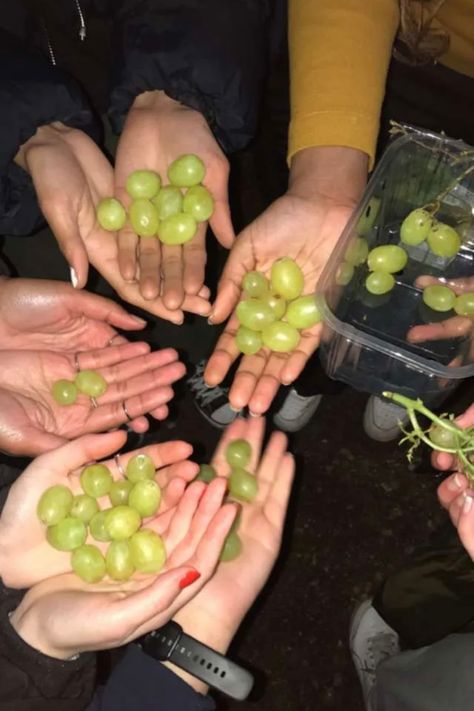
(394, 341)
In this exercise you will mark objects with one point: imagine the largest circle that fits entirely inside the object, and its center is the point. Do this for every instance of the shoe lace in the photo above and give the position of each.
(203, 393)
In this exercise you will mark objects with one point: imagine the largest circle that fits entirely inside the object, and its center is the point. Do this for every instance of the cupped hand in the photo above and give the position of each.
(456, 495)
(31, 421)
(157, 131)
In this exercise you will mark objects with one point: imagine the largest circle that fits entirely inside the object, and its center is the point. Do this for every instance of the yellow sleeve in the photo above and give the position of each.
(339, 56)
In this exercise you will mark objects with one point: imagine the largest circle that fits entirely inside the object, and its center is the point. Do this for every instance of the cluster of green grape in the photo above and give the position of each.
(70, 519)
(162, 211)
(87, 382)
(420, 226)
(273, 311)
(441, 298)
(243, 486)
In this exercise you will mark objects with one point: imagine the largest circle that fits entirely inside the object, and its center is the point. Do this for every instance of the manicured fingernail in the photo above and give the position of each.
(455, 483)
(139, 321)
(210, 320)
(253, 414)
(74, 279)
(235, 409)
(189, 579)
(467, 504)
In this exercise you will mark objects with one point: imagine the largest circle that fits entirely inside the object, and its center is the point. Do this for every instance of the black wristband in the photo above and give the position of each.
(170, 643)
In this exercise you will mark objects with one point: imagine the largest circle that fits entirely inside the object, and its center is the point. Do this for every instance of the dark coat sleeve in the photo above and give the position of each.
(208, 54)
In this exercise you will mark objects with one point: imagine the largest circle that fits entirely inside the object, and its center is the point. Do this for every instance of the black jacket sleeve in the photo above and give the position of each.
(208, 54)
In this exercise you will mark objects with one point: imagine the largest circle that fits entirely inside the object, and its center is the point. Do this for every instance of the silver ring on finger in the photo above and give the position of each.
(94, 403)
(76, 363)
(126, 413)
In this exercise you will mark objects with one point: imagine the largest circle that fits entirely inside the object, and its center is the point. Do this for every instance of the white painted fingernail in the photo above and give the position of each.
(467, 504)
(74, 279)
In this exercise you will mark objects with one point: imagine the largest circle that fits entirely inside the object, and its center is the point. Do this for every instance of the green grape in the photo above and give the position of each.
(255, 284)
(243, 485)
(206, 473)
(249, 342)
(91, 383)
(415, 227)
(443, 240)
(367, 220)
(177, 229)
(97, 526)
(84, 508)
(168, 202)
(148, 551)
(232, 548)
(143, 218)
(199, 203)
(280, 337)
(357, 252)
(121, 522)
(238, 453)
(287, 278)
(145, 497)
(119, 492)
(344, 274)
(66, 535)
(442, 437)
(379, 283)
(303, 312)
(96, 480)
(140, 467)
(276, 302)
(143, 184)
(118, 560)
(439, 298)
(64, 392)
(54, 504)
(254, 314)
(111, 214)
(88, 563)
(387, 258)
(464, 304)
(186, 171)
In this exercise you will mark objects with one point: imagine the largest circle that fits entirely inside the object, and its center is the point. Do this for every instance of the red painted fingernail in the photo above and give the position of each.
(189, 579)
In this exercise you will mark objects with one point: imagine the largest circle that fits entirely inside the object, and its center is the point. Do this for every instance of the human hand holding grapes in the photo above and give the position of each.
(445, 461)
(457, 498)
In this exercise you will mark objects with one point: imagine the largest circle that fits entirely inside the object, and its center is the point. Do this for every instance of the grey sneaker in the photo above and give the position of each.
(371, 642)
(212, 403)
(296, 411)
(382, 419)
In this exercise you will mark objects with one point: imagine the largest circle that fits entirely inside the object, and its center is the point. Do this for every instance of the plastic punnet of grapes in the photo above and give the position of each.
(177, 229)
(121, 522)
(443, 240)
(287, 278)
(118, 560)
(280, 337)
(238, 453)
(111, 214)
(143, 184)
(68, 534)
(303, 312)
(148, 551)
(344, 274)
(254, 314)
(64, 392)
(140, 467)
(169, 201)
(232, 548)
(248, 342)
(379, 283)
(207, 473)
(90, 383)
(143, 218)
(96, 480)
(357, 252)
(186, 171)
(243, 485)
(255, 284)
(54, 504)
(88, 563)
(145, 497)
(199, 203)
(120, 491)
(442, 437)
(368, 218)
(439, 297)
(464, 304)
(84, 507)
(97, 527)
(415, 227)
(389, 258)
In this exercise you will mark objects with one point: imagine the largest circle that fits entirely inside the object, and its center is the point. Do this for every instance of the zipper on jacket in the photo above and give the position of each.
(82, 29)
(82, 32)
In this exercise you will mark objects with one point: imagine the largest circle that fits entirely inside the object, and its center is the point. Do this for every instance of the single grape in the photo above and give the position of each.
(287, 278)
(387, 258)
(143, 218)
(303, 312)
(199, 203)
(276, 302)
(415, 227)
(120, 491)
(84, 508)
(168, 202)
(254, 314)
(64, 392)
(91, 383)
(148, 551)
(238, 453)
(464, 304)
(206, 473)
(96, 480)
(88, 563)
(145, 497)
(186, 171)
(97, 526)
(232, 548)
(118, 560)
(121, 522)
(280, 337)
(442, 437)
(439, 297)
(177, 229)
(111, 214)
(243, 485)
(368, 218)
(255, 284)
(68, 534)
(140, 467)
(379, 282)
(143, 184)
(249, 342)
(443, 240)
(344, 274)
(357, 252)
(54, 504)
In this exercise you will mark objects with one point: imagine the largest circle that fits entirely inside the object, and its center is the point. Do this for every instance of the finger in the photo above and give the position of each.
(456, 327)
(224, 355)
(196, 305)
(102, 309)
(276, 504)
(456, 507)
(443, 461)
(160, 413)
(185, 470)
(459, 286)
(466, 523)
(165, 456)
(295, 364)
(194, 261)
(133, 385)
(85, 449)
(172, 291)
(104, 357)
(172, 494)
(181, 521)
(268, 384)
(271, 460)
(149, 257)
(204, 292)
(239, 262)
(246, 378)
(451, 488)
(221, 221)
(119, 413)
(127, 243)
(63, 223)
(139, 425)
(236, 430)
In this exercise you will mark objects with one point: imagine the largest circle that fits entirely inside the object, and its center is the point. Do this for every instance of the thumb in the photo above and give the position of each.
(221, 223)
(64, 225)
(229, 287)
